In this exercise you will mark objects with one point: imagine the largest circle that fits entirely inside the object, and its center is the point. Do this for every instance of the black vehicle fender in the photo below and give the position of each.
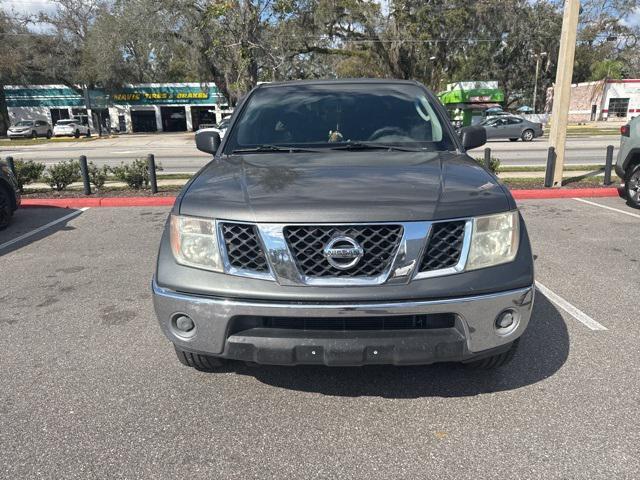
(9, 189)
(633, 157)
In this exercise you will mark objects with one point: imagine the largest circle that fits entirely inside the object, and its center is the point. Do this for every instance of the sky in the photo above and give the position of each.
(633, 19)
(36, 6)
(28, 6)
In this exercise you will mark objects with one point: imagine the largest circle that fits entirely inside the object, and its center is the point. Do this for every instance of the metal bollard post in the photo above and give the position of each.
(12, 165)
(84, 169)
(151, 161)
(608, 165)
(487, 158)
(551, 167)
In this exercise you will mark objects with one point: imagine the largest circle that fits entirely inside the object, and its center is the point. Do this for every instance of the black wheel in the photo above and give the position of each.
(49, 134)
(5, 208)
(528, 135)
(34, 134)
(632, 186)
(513, 139)
(494, 361)
(77, 134)
(88, 135)
(204, 363)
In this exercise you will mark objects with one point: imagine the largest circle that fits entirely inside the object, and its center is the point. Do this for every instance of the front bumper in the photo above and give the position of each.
(25, 134)
(63, 133)
(217, 333)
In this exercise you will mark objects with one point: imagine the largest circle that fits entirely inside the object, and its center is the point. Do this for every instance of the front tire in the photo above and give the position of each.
(632, 186)
(49, 134)
(528, 135)
(77, 134)
(204, 363)
(5, 208)
(495, 361)
(34, 134)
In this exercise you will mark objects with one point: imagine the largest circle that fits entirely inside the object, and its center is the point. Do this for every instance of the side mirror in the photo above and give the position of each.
(473, 137)
(208, 141)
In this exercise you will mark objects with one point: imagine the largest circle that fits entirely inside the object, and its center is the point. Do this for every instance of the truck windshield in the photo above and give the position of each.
(24, 123)
(335, 115)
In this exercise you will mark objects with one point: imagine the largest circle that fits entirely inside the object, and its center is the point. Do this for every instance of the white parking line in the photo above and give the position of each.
(606, 207)
(40, 229)
(570, 309)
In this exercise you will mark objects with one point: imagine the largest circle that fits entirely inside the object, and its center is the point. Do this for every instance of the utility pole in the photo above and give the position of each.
(562, 87)
(538, 56)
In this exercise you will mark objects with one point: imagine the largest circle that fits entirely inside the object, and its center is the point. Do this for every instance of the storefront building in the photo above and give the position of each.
(604, 100)
(147, 107)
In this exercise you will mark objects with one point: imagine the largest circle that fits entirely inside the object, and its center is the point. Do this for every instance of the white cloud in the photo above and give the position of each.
(28, 7)
(633, 19)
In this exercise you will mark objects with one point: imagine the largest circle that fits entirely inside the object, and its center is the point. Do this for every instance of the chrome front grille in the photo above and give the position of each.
(444, 246)
(345, 255)
(243, 247)
(378, 241)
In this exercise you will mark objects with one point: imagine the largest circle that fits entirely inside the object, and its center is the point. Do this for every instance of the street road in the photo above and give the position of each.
(92, 389)
(177, 152)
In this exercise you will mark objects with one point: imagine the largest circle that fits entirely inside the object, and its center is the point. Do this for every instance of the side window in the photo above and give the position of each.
(515, 121)
(39, 123)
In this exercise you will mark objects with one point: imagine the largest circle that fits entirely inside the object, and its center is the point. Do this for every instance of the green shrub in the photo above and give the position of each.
(494, 164)
(134, 174)
(63, 174)
(98, 175)
(27, 172)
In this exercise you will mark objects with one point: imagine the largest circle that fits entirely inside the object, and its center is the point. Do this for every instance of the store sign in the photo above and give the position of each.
(163, 96)
(483, 98)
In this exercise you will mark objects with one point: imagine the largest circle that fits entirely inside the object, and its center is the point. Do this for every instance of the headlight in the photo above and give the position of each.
(194, 242)
(494, 240)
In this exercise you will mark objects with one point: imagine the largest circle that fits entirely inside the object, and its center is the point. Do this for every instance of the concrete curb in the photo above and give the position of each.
(564, 193)
(95, 202)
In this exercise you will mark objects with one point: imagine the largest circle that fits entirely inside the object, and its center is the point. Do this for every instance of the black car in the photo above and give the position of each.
(9, 195)
(343, 223)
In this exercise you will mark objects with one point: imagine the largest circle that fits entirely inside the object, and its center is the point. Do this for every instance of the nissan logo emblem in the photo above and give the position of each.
(343, 252)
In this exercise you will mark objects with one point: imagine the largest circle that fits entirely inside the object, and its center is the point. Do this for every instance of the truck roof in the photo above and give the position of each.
(344, 81)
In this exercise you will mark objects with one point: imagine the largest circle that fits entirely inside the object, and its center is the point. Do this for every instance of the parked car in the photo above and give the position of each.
(9, 195)
(220, 128)
(342, 223)
(72, 127)
(223, 126)
(512, 127)
(30, 129)
(628, 162)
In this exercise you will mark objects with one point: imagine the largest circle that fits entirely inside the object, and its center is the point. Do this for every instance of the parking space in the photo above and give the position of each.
(34, 225)
(91, 388)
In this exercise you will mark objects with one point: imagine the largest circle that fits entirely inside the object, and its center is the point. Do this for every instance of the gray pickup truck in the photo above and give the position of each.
(341, 223)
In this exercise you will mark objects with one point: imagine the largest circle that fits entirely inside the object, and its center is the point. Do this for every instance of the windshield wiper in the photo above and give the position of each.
(272, 148)
(373, 146)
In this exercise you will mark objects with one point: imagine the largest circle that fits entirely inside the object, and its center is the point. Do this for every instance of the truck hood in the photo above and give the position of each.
(344, 186)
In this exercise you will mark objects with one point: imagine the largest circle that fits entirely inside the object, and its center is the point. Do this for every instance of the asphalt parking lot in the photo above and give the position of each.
(91, 388)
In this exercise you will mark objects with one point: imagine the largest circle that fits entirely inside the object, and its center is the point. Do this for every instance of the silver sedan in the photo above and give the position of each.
(512, 127)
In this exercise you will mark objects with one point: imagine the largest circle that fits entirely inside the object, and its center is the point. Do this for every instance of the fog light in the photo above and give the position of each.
(184, 323)
(505, 320)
